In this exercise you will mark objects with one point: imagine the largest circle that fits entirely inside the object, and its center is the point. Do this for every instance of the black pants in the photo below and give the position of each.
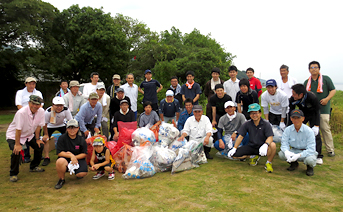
(274, 119)
(16, 159)
(62, 130)
(310, 119)
(155, 108)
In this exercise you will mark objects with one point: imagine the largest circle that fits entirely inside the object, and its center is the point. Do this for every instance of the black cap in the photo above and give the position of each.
(297, 113)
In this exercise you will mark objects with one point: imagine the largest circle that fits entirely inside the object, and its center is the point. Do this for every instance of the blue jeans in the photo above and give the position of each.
(244, 142)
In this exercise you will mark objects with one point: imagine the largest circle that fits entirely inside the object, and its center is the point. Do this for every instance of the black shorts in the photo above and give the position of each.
(102, 168)
(246, 150)
(82, 165)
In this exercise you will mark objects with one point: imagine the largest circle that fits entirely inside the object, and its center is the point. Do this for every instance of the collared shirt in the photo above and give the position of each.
(231, 88)
(59, 117)
(303, 139)
(132, 93)
(231, 126)
(86, 115)
(197, 129)
(257, 134)
(22, 96)
(78, 101)
(106, 108)
(277, 101)
(182, 119)
(27, 122)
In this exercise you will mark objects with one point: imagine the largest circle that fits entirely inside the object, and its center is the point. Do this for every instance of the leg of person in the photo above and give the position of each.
(274, 119)
(38, 150)
(90, 127)
(135, 115)
(104, 128)
(61, 168)
(209, 111)
(310, 162)
(15, 161)
(100, 173)
(326, 131)
(110, 171)
(155, 108)
(318, 141)
(216, 145)
(245, 140)
(27, 155)
(270, 155)
(207, 148)
(245, 151)
(82, 170)
(293, 166)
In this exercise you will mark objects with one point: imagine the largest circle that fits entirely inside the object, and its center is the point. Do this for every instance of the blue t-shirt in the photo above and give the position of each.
(150, 90)
(191, 93)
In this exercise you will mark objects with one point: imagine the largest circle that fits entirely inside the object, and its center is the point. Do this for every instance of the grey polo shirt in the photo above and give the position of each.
(257, 134)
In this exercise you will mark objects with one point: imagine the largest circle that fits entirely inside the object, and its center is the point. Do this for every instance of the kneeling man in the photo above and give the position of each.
(260, 139)
(71, 147)
(302, 141)
(199, 128)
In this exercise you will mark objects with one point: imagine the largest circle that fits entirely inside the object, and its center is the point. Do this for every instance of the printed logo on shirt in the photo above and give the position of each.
(77, 147)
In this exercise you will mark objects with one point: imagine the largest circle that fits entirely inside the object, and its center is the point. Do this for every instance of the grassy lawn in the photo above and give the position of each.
(220, 185)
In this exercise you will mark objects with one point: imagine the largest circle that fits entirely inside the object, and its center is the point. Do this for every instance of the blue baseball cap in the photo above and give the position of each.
(271, 82)
(254, 107)
(147, 71)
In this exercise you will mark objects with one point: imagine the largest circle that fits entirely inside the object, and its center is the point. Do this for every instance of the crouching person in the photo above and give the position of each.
(260, 139)
(103, 155)
(298, 144)
(199, 128)
(71, 148)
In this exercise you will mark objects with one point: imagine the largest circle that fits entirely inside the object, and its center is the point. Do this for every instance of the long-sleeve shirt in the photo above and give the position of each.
(255, 84)
(86, 115)
(197, 129)
(182, 119)
(302, 140)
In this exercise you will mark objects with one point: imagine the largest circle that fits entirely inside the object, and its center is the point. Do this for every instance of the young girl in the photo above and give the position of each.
(104, 160)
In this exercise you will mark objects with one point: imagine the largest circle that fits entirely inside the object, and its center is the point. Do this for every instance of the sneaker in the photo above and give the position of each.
(37, 169)
(60, 183)
(269, 167)
(111, 176)
(309, 171)
(254, 160)
(27, 160)
(319, 161)
(331, 154)
(13, 178)
(46, 162)
(293, 166)
(98, 175)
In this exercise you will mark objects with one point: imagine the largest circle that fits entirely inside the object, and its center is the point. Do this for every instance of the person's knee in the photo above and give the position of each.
(216, 145)
(282, 156)
(61, 162)
(81, 174)
(310, 160)
(272, 145)
(108, 169)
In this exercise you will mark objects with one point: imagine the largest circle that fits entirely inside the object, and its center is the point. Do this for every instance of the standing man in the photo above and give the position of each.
(278, 101)
(245, 97)
(63, 89)
(25, 129)
(188, 112)
(105, 101)
(255, 83)
(260, 140)
(151, 88)
(210, 90)
(298, 144)
(191, 89)
(217, 103)
(131, 91)
(169, 108)
(176, 88)
(231, 86)
(74, 99)
(87, 113)
(310, 106)
(199, 128)
(286, 82)
(55, 117)
(111, 90)
(22, 98)
(324, 89)
(91, 87)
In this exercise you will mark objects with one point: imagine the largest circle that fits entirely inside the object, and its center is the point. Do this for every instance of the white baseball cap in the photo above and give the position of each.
(58, 100)
(169, 93)
(229, 103)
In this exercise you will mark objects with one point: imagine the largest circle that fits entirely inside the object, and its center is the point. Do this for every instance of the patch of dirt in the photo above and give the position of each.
(3, 127)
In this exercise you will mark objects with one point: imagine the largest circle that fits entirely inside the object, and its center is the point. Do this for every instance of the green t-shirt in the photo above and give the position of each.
(327, 87)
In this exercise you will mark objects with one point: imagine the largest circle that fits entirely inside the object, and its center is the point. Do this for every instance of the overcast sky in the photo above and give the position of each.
(262, 34)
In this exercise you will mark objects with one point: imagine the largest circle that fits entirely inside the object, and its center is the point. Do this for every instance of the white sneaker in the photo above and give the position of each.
(99, 175)
(319, 161)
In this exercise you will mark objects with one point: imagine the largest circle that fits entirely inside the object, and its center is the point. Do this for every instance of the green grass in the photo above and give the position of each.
(6, 119)
(219, 185)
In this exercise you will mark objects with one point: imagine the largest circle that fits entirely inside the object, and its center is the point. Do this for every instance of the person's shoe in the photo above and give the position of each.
(269, 167)
(111, 176)
(98, 175)
(293, 166)
(37, 169)
(331, 154)
(14, 178)
(254, 160)
(27, 160)
(319, 161)
(309, 171)
(46, 162)
(208, 156)
(60, 184)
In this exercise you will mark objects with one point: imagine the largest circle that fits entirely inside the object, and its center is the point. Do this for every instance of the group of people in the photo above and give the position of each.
(232, 124)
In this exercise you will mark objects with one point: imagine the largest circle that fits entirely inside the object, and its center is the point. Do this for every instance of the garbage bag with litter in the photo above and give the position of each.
(122, 158)
(277, 133)
(167, 134)
(141, 135)
(162, 158)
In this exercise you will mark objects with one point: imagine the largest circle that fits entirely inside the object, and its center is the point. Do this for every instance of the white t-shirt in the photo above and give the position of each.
(65, 114)
(88, 89)
(132, 93)
(231, 88)
(286, 87)
(22, 96)
(276, 101)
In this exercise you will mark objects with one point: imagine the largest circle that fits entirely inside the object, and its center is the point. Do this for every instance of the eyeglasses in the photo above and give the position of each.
(72, 128)
(314, 67)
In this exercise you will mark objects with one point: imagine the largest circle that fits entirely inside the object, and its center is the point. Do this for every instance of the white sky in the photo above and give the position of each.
(262, 34)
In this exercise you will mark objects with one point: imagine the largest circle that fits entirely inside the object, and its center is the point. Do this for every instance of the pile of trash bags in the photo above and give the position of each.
(145, 155)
